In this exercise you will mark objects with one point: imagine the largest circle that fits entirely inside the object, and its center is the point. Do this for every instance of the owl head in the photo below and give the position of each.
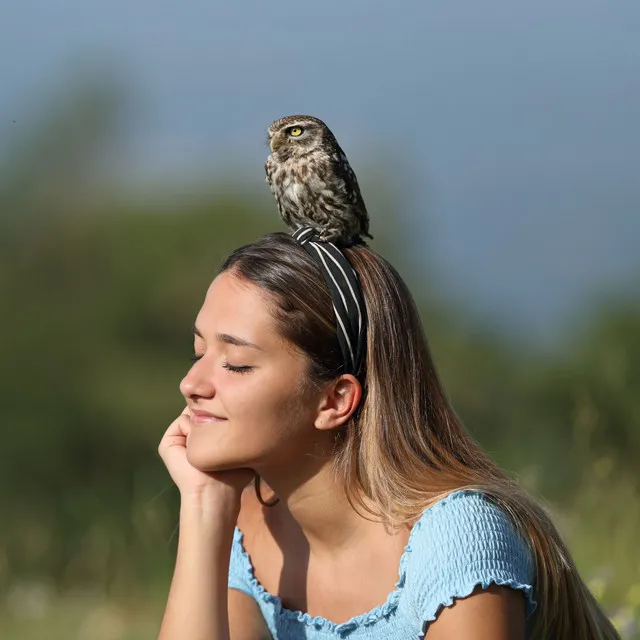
(296, 136)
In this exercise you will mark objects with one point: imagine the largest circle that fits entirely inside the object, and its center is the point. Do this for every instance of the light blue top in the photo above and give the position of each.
(461, 542)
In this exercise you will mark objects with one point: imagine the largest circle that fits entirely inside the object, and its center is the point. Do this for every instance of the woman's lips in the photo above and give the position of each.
(203, 417)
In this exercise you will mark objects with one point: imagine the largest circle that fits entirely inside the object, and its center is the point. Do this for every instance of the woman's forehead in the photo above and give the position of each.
(233, 303)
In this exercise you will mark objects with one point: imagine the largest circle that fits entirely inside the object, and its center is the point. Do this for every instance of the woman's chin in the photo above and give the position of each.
(208, 463)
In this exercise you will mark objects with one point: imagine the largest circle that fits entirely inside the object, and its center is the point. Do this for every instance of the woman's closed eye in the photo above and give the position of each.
(237, 369)
(226, 365)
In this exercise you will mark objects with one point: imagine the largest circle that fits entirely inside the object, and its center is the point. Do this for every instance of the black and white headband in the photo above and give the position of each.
(346, 294)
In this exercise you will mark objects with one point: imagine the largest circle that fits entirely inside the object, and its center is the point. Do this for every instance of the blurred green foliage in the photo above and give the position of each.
(99, 294)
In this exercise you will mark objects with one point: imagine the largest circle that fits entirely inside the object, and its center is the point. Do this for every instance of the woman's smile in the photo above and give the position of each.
(204, 417)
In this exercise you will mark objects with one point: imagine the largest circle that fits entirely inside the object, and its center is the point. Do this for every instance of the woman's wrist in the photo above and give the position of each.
(221, 504)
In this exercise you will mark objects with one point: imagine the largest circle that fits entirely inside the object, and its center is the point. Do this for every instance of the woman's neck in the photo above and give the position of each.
(319, 506)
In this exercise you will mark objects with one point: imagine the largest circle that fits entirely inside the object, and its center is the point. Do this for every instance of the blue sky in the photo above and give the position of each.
(514, 125)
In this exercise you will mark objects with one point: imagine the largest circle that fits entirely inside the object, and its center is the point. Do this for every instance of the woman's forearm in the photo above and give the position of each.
(197, 604)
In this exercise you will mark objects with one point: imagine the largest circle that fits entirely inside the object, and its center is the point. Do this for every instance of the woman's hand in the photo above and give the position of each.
(190, 481)
(209, 507)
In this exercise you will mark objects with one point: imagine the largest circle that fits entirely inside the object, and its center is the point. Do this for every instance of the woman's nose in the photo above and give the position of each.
(197, 383)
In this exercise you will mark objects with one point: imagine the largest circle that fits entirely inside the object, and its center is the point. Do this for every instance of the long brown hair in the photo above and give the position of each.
(405, 448)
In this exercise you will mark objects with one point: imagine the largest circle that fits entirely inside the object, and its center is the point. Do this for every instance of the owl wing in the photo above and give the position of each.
(347, 175)
(269, 171)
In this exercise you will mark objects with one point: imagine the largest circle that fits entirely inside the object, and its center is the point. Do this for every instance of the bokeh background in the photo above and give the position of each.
(497, 145)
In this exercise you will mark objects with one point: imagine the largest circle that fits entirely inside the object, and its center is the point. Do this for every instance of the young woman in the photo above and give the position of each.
(382, 518)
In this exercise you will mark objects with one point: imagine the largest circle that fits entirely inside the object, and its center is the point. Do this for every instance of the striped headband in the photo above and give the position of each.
(346, 294)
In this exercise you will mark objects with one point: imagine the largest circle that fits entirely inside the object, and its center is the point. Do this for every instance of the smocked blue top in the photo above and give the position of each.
(461, 542)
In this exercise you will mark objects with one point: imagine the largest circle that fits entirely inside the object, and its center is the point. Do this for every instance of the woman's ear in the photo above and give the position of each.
(338, 402)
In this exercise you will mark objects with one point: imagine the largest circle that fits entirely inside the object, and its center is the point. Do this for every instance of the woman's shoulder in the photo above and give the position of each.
(462, 542)
(465, 514)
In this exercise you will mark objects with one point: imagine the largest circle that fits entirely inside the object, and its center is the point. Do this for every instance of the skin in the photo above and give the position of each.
(261, 417)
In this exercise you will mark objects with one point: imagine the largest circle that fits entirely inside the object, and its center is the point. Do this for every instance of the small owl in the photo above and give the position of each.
(312, 181)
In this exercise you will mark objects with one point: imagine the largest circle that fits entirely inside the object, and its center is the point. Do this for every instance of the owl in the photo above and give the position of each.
(312, 181)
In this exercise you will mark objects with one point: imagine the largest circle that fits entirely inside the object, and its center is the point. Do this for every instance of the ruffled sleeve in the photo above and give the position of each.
(240, 572)
(463, 542)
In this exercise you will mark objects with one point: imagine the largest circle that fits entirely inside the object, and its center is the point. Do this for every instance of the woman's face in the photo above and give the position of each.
(247, 401)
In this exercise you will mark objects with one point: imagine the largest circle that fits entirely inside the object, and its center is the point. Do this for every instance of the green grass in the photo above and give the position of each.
(81, 617)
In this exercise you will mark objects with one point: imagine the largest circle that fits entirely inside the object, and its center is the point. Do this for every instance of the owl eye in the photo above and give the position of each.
(295, 132)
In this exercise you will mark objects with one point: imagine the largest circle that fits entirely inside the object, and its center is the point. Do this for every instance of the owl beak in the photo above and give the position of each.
(275, 143)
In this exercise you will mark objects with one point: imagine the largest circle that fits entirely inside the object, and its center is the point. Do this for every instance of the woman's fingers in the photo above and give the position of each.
(176, 434)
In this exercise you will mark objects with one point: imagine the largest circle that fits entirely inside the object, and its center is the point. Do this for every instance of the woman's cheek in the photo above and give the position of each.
(247, 392)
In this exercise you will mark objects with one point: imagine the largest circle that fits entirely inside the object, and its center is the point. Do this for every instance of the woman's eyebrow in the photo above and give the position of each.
(229, 339)
(238, 342)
